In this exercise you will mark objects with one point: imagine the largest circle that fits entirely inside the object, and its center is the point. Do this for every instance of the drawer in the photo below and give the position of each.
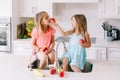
(22, 49)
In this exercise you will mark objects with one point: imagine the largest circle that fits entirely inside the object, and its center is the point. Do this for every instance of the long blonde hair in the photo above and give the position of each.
(81, 22)
(38, 19)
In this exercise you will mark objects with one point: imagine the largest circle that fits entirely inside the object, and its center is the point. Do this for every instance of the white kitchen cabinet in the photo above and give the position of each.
(113, 54)
(89, 53)
(28, 8)
(6, 8)
(96, 53)
(43, 5)
(109, 9)
(74, 1)
(22, 47)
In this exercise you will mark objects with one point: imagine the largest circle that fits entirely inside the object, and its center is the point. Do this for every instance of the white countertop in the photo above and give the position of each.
(102, 43)
(14, 67)
(99, 42)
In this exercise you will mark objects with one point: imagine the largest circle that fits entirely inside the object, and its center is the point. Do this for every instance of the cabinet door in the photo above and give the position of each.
(43, 5)
(100, 53)
(6, 8)
(96, 53)
(109, 9)
(90, 54)
(22, 49)
(113, 54)
(27, 8)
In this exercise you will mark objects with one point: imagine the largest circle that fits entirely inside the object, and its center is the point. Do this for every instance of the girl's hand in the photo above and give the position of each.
(45, 50)
(82, 44)
(52, 22)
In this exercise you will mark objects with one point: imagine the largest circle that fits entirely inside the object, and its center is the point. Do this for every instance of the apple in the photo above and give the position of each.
(82, 41)
(61, 73)
(52, 71)
(52, 19)
(45, 48)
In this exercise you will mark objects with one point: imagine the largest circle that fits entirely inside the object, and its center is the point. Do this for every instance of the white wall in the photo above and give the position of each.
(15, 18)
(63, 13)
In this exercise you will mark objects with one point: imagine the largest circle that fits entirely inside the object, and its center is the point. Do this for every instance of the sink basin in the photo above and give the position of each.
(66, 39)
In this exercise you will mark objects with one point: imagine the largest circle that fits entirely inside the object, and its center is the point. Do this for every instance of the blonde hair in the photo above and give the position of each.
(38, 19)
(81, 22)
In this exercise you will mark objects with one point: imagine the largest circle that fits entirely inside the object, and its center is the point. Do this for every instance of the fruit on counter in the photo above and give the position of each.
(30, 22)
(37, 72)
(61, 73)
(21, 36)
(29, 34)
(82, 41)
(45, 48)
(58, 70)
(25, 37)
(28, 29)
(52, 71)
(53, 19)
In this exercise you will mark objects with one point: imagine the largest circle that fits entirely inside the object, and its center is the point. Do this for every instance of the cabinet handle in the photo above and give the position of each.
(34, 9)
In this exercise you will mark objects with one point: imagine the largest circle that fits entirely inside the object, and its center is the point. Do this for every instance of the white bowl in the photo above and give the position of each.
(109, 38)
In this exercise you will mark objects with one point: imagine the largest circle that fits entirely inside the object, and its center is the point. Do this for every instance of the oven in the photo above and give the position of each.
(5, 34)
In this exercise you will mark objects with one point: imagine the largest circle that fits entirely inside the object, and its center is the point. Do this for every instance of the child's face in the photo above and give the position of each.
(45, 19)
(73, 22)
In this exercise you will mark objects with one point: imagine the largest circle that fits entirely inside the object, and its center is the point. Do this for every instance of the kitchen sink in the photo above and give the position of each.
(66, 39)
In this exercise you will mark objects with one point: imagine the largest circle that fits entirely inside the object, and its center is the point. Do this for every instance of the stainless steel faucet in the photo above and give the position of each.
(56, 63)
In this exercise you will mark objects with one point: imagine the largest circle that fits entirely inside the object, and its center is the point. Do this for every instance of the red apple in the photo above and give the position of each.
(61, 73)
(52, 71)
(52, 19)
(44, 49)
(82, 41)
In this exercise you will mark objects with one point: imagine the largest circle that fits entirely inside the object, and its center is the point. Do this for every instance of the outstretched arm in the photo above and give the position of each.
(69, 32)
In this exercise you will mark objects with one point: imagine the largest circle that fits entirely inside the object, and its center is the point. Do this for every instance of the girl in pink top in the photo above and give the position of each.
(43, 39)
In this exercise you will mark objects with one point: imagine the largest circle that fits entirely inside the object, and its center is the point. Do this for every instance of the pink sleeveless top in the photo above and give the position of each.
(43, 39)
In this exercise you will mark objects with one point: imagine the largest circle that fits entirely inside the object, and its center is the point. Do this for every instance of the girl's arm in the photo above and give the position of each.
(69, 32)
(87, 43)
(51, 46)
(34, 45)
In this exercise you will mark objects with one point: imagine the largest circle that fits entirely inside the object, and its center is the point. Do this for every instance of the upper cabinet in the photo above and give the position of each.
(74, 1)
(109, 9)
(6, 8)
(28, 8)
